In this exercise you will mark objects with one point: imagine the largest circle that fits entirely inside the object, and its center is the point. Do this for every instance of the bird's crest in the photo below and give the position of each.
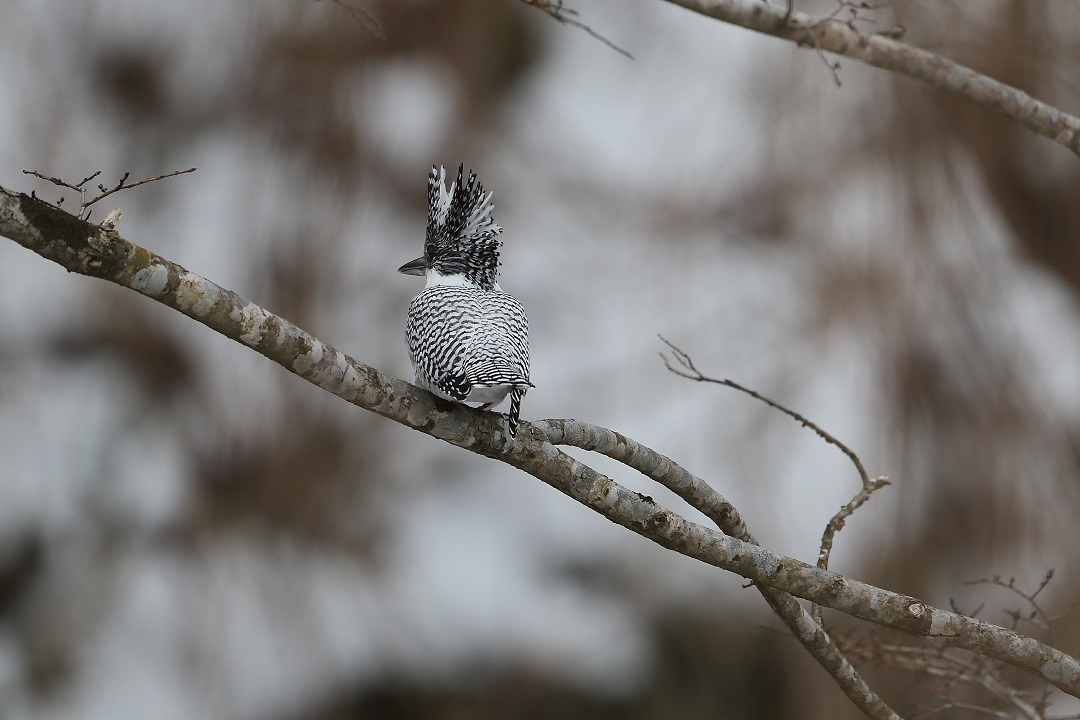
(461, 234)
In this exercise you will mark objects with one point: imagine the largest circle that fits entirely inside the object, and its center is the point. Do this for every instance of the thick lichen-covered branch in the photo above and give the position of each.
(92, 250)
(707, 500)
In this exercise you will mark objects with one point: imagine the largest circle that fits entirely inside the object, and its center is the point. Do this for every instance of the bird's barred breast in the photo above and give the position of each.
(454, 329)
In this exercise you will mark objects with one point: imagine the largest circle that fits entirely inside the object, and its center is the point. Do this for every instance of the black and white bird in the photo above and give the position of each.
(468, 340)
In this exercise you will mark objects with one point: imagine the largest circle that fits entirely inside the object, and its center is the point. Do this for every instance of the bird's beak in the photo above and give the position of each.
(414, 267)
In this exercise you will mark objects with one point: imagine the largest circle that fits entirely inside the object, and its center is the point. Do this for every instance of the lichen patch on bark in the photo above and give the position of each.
(151, 280)
(252, 319)
(195, 296)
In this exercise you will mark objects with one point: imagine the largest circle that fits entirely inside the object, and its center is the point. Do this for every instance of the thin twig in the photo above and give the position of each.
(365, 17)
(557, 10)
(834, 67)
(690, 371)
(954, 669)
(80, 186)
(853, 8)
(122, 186)
(1037, 616)
(974, 613)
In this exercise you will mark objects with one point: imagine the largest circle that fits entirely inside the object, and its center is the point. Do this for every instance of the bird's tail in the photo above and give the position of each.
(515, 410)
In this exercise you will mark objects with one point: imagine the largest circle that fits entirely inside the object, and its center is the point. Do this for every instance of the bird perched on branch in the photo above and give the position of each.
(468, 340)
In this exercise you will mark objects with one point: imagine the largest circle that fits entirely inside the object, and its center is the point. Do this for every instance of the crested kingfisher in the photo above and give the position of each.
(468, 340)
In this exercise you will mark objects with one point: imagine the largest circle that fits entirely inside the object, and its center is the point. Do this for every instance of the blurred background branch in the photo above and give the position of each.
(886, 51)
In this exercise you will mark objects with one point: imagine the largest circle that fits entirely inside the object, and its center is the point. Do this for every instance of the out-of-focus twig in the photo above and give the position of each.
(955, 672)
(1037, 616)
(365, 17)
(559, 11)
(953, 668)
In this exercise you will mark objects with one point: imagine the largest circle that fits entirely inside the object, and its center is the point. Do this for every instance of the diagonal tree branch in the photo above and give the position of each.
(100, 252)
(703, 497)
(887, 53)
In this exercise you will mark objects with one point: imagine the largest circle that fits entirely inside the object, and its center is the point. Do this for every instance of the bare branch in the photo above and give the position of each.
(955, 669)
(80, 186)
(122, 186)
(690, 371)
(557, 10)
(1036, 616)
(837, 522)
(97, 252)
(833, 67)
(885, 51)
(365, 17)
(704, 498)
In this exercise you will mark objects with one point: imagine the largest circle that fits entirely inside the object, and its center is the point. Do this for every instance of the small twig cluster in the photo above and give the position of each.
(853, 7)
(955, 672)
(1035, 614)
(104, 192)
